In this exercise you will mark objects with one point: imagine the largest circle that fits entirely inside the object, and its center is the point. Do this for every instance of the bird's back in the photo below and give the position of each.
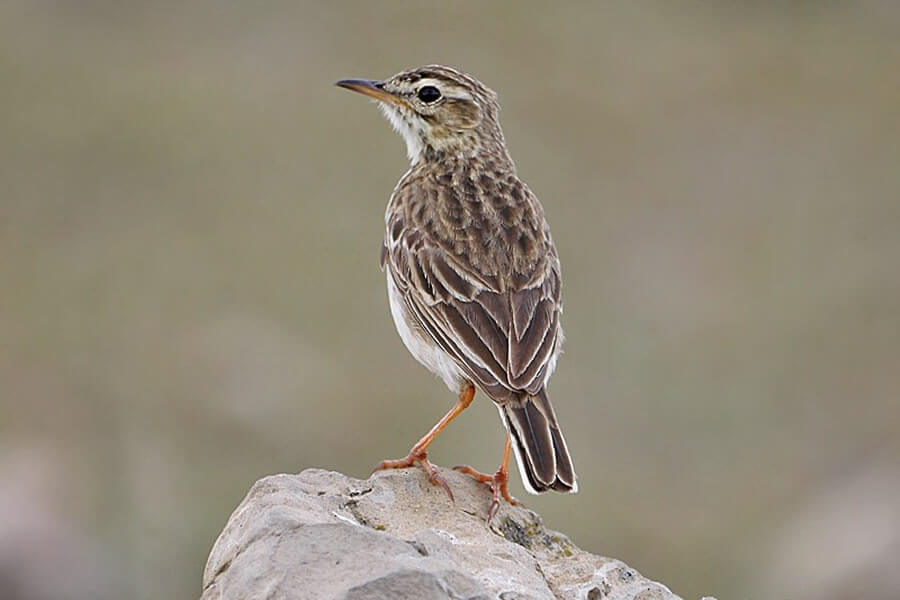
(469, 246)
(480, 214)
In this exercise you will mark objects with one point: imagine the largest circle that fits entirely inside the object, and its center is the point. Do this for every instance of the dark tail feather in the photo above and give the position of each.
(540, 448)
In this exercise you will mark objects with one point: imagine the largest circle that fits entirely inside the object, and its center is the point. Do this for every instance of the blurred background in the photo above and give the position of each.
(190, 221)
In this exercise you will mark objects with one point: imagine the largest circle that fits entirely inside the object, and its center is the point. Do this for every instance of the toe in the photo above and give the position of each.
(436, 478)
(477, 475)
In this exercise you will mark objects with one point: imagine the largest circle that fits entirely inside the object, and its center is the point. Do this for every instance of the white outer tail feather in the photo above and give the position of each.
(520, 460)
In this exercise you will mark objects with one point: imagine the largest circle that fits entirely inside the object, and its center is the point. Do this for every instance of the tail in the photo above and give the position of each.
(541, 452)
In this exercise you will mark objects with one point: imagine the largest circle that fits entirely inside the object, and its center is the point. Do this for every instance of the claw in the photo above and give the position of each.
(421, 459)
(435, 478)
(499, 482)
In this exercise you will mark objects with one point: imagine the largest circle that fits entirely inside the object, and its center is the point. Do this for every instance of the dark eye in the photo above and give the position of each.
(429, 94)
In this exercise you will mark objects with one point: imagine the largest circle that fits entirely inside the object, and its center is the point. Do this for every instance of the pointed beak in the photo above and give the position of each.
(373, 89)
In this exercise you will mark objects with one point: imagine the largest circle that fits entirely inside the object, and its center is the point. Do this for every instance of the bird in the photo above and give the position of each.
(473, 275)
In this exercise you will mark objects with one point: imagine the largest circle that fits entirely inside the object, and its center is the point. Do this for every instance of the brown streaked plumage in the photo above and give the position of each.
(473, 275)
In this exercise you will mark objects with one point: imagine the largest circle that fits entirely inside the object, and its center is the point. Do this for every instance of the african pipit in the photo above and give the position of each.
(473, 276)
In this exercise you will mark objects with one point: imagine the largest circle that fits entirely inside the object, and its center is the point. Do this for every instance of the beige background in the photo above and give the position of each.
(190, 218)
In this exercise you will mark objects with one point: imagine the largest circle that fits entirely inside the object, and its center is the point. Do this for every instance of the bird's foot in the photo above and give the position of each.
(417, 457)
(499, 483)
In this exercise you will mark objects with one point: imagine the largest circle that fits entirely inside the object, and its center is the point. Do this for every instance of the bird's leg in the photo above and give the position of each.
(418, 453)
(499, 481)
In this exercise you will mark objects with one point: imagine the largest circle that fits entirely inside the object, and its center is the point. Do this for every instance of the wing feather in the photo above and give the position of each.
(499, 321)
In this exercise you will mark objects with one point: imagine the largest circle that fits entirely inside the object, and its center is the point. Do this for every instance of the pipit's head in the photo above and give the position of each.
(439, 111)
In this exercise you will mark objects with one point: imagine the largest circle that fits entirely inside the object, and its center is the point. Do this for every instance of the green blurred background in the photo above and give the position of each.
(190, 220)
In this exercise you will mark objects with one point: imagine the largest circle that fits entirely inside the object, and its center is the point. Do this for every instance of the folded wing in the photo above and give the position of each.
(503, 333)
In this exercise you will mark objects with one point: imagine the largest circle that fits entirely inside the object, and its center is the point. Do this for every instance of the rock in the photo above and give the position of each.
(323, 535)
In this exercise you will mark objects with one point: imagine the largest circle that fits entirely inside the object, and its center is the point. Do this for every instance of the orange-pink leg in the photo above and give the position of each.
(418, 454)
(499, 481)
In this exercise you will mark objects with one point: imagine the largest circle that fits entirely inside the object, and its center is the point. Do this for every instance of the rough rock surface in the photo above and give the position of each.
(395, 536)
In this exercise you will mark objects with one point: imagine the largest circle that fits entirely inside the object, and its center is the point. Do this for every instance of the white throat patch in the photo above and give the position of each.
(414, 146)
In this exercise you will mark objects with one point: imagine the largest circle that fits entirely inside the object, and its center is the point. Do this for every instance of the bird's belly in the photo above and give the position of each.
(423, 349)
